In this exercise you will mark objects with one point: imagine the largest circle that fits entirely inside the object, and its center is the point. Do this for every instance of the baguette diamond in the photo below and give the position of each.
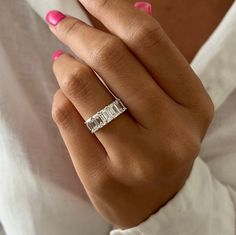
(106, 115)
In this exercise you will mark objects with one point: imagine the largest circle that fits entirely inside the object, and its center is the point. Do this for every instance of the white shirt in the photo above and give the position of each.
(40, 192)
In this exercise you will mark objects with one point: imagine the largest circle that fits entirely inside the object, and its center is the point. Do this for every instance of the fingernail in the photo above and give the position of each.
(146, 6)
(54, 17)
(56, 54)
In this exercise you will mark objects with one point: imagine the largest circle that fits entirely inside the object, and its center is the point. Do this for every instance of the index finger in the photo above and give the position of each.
(148, 41)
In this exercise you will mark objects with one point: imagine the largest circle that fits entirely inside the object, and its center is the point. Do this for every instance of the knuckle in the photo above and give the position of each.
(205, 110)
(102, 182)
(61, 110)
(98, 6)
(75, 84)
(143, 170)
(102, 3)
(209, 112)
(68, 28)
(149, 34)
(183, 150)
(110, 51)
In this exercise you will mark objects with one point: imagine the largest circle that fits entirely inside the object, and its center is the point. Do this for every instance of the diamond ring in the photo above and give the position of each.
(106, 115)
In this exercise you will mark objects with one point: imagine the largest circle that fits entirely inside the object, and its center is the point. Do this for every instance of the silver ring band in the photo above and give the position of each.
(106, 115)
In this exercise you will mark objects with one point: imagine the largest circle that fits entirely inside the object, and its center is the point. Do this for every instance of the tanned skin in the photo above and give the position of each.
(189, 23)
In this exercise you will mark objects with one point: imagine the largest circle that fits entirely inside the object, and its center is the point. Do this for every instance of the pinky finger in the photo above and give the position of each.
(87, 153)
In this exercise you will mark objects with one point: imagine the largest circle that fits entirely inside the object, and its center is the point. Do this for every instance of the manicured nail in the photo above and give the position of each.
(146, 6)
(56, 54)
(54, 17)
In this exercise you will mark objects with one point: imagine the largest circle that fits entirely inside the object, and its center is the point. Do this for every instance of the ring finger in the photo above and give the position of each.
(87, 93)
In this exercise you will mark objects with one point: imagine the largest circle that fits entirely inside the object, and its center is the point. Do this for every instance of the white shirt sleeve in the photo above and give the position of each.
(203, 206)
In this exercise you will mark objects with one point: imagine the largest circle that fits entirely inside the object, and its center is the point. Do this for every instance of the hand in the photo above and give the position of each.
(134, 165)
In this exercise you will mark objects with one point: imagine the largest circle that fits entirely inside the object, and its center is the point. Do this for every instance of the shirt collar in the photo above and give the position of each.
(215, 63)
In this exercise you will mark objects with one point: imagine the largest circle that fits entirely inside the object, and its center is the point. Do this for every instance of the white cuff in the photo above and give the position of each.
(203, 206)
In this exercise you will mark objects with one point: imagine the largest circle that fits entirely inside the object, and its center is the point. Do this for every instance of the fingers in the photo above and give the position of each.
(81, 86)
(86, 151)
(85, 91)
(147, 40)
(110, 58)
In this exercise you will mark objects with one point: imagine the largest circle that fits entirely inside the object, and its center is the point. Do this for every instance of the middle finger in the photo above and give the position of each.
(145, 37)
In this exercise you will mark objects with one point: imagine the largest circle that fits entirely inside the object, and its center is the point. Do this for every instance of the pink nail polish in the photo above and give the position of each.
(146, 6)
(54, 17)
(56, 54)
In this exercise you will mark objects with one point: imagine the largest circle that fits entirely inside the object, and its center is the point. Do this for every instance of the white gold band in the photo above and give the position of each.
(106, 115)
